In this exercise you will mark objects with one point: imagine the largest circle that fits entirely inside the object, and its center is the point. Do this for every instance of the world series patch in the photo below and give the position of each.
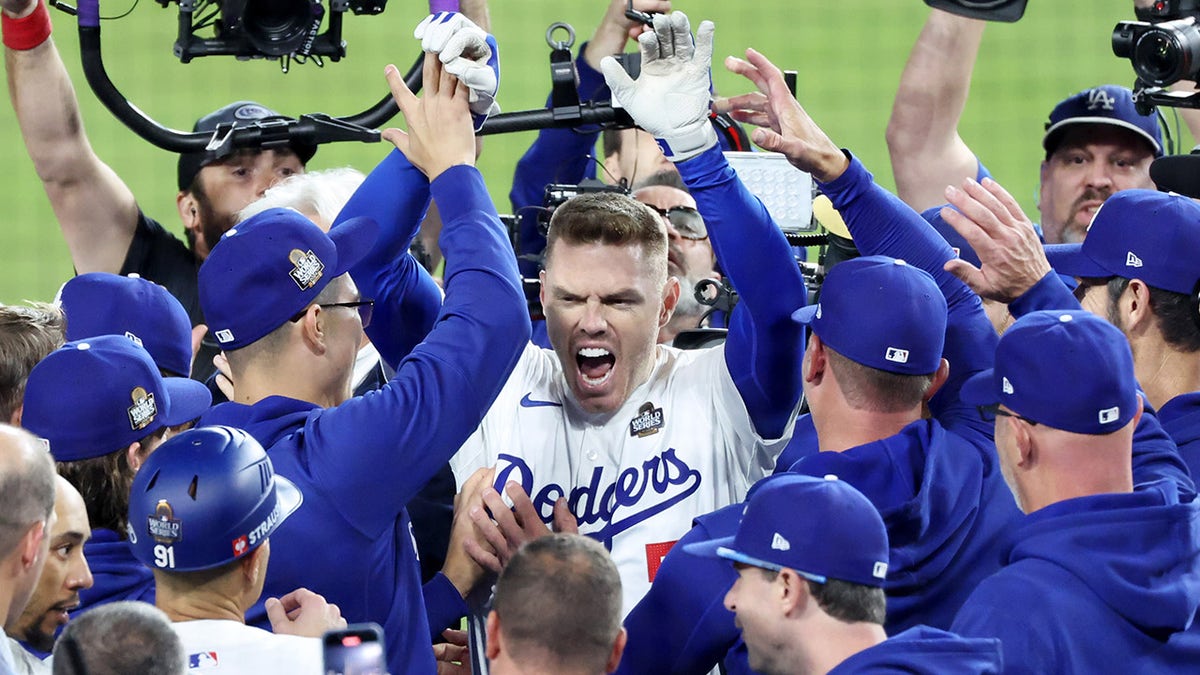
(648, 421)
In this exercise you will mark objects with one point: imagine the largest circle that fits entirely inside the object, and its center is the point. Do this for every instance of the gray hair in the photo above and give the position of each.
(120, 638)
(26, 485)
(320, 193)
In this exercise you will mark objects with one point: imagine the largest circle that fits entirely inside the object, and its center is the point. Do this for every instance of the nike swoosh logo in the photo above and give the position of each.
(527, 402)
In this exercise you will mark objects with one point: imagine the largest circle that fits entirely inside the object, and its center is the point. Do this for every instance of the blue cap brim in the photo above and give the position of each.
(1070, 260)
(708, 549)
(354, 239)
(288, 496)
(806, 314)
(980, 389)
(188, 400)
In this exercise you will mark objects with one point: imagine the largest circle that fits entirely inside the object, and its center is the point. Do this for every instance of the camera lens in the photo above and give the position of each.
(1167, 53)
(279, 27)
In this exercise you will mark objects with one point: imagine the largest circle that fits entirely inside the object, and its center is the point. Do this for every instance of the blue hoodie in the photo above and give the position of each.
(1180, 418)
(1097, 584)
(926, 651)
(359, 463)
(936, 483)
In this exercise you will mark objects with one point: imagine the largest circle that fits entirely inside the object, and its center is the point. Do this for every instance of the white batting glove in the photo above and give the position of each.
(468, 53)
(670, 98)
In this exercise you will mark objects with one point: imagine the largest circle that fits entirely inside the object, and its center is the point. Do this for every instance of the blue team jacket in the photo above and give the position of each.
(926, 651)
(359, 463)
(1097, 584)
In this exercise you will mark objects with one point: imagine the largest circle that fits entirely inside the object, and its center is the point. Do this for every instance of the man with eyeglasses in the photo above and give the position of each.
(690, 256)
(277, 295)
(1104, 572)
(811, 555)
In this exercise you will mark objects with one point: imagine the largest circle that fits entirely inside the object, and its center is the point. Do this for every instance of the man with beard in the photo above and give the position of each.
(690, 256)
(1096, 143)
(57, 592)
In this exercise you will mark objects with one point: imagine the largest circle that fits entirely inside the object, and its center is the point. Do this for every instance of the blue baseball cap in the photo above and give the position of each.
(271, 266)
(205, 498)
(1107, 104)
(823, 528)
(957, 242)
(99, 303)
(1138, 234)
(1069, 370)
(881, 312)
(92, 397)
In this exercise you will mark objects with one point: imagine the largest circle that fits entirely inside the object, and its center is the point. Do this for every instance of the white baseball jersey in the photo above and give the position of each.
(681, 445)
(222, 646)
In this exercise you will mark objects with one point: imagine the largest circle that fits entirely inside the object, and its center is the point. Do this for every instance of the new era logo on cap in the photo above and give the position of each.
(1132, 260)
(880, 570)
(779, 543)
(896, 355)
(1006, 386)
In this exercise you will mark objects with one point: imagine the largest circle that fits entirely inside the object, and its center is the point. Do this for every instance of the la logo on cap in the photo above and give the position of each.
(1098, 99)
(779, 543)
(308, 268)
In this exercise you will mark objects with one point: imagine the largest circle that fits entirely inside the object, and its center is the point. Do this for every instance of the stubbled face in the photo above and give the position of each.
(231, 185)
(686, 258)
(753, 599)
(65, 573)
(1090, 164)
(604, 306)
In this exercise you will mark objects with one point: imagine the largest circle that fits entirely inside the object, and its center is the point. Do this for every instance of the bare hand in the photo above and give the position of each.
(783, 124)
(460, 568)
(453, 656)
(303, 613)
(1011, 256)
(17, 8)
(440, 134)
(507, 529)
(224, 376)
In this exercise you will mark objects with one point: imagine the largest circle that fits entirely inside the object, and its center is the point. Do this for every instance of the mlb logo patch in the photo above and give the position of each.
(224, 336)
(202, 660)
(654, 557)
(1109, 415)
(896, 355)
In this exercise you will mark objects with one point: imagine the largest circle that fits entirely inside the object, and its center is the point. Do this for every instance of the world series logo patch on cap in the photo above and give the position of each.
(143, 410)
(308, 268)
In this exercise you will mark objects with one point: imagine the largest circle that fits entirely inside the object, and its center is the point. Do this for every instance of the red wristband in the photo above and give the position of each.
(28, 31)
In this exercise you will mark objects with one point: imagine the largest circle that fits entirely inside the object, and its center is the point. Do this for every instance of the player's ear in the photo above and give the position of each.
(670, 300)
(493, 635)
(614, 659)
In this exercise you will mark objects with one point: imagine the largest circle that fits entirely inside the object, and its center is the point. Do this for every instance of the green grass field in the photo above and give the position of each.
(849, 58)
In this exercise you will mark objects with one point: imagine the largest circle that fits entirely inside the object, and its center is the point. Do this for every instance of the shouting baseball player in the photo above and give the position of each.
(632, 438)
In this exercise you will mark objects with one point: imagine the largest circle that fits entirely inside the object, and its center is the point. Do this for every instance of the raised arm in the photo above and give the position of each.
(922, 134)
(670, 99)
(94, 207)
(409, 428)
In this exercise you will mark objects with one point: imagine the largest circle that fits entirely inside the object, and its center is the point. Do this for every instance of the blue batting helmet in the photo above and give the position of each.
(205, 498)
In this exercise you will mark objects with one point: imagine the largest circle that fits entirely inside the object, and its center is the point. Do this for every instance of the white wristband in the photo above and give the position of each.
(688, 145)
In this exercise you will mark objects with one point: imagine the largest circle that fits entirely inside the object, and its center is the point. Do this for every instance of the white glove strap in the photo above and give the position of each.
(690, 144)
